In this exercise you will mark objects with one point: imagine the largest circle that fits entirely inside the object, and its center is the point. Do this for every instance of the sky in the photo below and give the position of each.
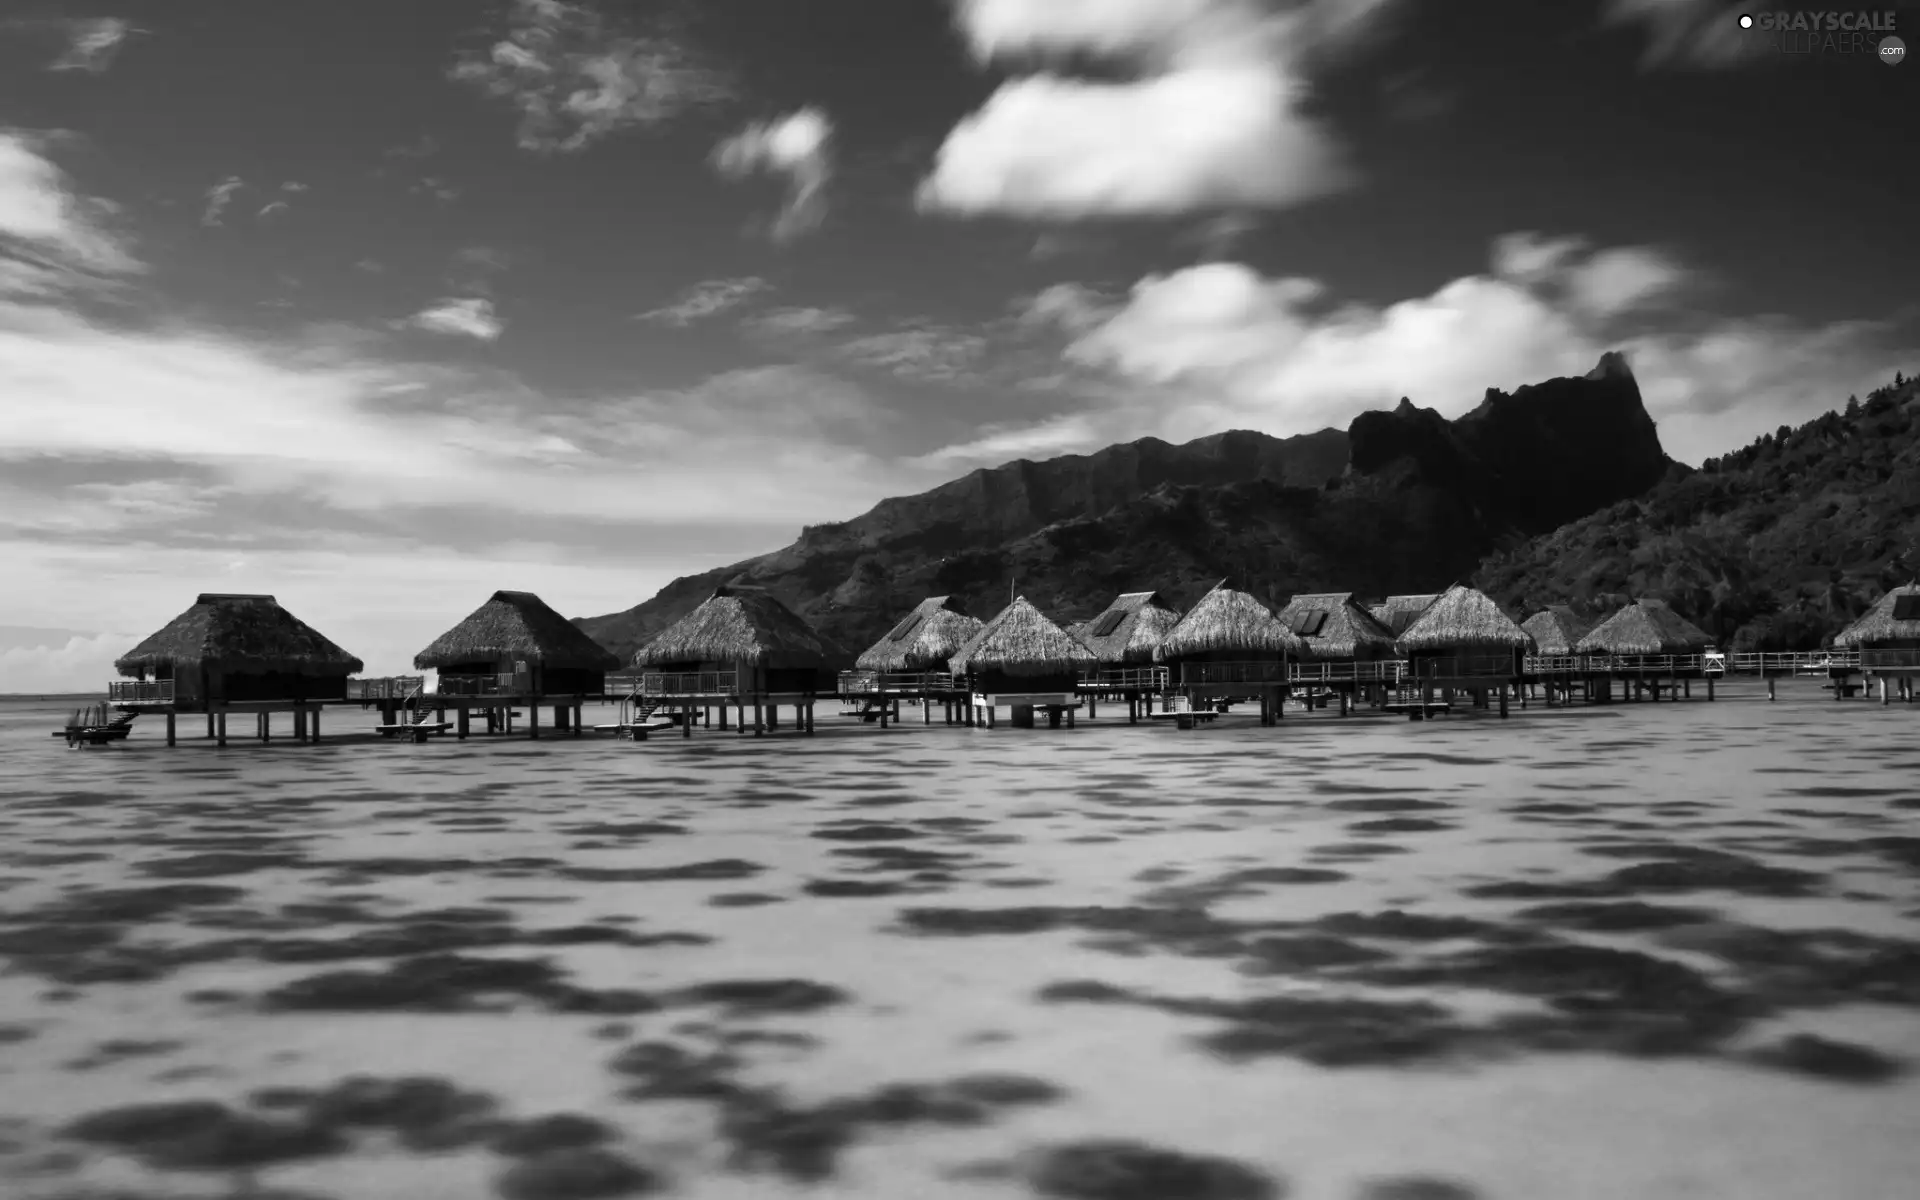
(380, 307)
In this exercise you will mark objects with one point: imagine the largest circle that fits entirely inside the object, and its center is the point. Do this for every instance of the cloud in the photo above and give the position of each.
(51, 238)
(1689, 33)
(219, 196)
(799, 146)
(574, 80)
(1211, 116)
(923, 351)
(1220, 346)
(272, 208)
(999, 444)
(74, 663)
(92, 44)
(470, 317)
(799, 321)
(706, 299)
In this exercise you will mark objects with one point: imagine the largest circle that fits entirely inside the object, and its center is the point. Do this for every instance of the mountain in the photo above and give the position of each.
(1404, 500)
(1777, 546)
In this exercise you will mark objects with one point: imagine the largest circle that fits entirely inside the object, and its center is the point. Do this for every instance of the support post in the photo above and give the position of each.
(759, 717)
(1883, 697)
(1769, 687)
(533, 719)
(1883, 704)
(461, 720)
(221, 730)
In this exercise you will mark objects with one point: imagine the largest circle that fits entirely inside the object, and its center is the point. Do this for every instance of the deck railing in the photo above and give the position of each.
(1795, 661)
(140, 691)
(485, 685)
(1386, 670)
(391, 687)
(1263, 672)
(859, 682)
(1463, 666)
(691, 683)
(1120, 679)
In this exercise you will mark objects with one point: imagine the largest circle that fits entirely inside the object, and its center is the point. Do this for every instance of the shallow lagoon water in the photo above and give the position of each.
(1647, 950)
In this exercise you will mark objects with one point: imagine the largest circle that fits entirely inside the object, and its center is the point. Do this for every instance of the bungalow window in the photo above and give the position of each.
(1108, 623)
(1310, 622)
(1907, 608)
(905, 628)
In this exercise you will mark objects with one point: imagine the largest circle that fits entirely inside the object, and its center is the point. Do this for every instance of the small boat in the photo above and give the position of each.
(94, 726)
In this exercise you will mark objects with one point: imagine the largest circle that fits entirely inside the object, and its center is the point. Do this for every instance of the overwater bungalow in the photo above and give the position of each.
(1556, 630)
(1123, 637)
(911, 660)
(514, 649)
(1229, 646)
(1345, 650)
(235, 653)
(741, 649)
(1888, 639)
(1400, 612)
(1022, 661)
(1648, 645)
(1462, 641)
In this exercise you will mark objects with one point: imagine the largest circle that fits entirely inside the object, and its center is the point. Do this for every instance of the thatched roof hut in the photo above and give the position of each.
(237, 635)
(1556, 630)
(1893, 621)
(1226, 622)
(1332, 626)
(516, 627)
(1020, 642)
(739, 624)
(1400, 612)
(1129, 629)
(1645, 627)
(924, 639)
(1464, 621)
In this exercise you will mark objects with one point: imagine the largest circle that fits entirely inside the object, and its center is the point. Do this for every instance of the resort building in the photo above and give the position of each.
(1462, 642)
(910, 661)
(1399, 612)
(1888, 639)
(1020, 660)
(234, 653)
(741, 649)
(1648, 646)
(514, 649)
(1229, 646)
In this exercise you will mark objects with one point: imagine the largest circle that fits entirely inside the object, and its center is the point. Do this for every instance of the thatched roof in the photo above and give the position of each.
(1556, 630)
(1400, 612)
(1228, 620)
(741, 624)
(1895, 617)
(517, 626)
(1645, 627)
(1332, 626)
(239, 635)
(1464, 620)
(1020, 640)
(924, 639)
(1129, 628)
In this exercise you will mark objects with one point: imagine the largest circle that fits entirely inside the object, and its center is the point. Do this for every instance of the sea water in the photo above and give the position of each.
(1593, 953)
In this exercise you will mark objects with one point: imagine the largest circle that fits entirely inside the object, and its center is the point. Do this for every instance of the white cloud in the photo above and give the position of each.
(82, 662)
(470, 317)
(1219, 346)
(575, 80)
(1003, 443)
(799, 321)
(1211, 118)
(219, 196)
(53, 231)
(92, 44)
(1689, 33)
(799, 146)
(708, 298)
(272, 208)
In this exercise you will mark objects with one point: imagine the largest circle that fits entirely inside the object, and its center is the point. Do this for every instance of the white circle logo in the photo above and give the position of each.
(1892, 50)
(1746, 22)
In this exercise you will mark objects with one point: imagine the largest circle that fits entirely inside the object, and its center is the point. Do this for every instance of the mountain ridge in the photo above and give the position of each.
(1401, 500)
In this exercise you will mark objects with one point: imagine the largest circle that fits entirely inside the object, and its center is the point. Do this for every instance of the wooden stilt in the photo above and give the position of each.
(170, 739)
(1883, 704)
(221, 729)
(1769, 687)
(209, 723)
(1709, 687)
(461, 721)
(533, 720)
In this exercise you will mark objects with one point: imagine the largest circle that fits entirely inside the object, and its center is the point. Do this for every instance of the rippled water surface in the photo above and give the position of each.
(1617, 953)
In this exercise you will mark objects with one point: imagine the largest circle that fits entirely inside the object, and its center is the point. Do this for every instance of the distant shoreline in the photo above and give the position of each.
(50, 696)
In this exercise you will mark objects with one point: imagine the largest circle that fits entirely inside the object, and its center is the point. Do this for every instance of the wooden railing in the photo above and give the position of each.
(1386, 670)
(140, 691)
(507, 684)
(691, 683)
(1135, 679)
(1463, 666)
(1233, 672)
(858, 682)
(391, 687)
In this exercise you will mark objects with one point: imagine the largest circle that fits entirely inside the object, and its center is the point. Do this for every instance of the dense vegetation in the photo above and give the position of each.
(1775, 546)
